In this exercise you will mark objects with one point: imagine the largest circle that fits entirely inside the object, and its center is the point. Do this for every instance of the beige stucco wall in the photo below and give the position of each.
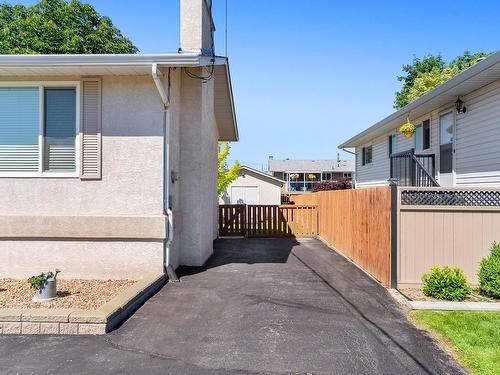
(63, 215)
(131, 161)
(198, 170)
(131, 189)
(269, 192)
(81, 259)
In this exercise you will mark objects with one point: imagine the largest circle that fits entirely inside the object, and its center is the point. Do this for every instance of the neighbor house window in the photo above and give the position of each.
(367, 155)
(423, 136)
(38, 127)
(393, 144)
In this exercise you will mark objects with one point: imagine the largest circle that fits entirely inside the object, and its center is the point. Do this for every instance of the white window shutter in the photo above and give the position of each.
(91, 130)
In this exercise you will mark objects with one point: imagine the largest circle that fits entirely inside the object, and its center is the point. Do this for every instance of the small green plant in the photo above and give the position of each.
(446, 283)
(39, 281)
(489, 273)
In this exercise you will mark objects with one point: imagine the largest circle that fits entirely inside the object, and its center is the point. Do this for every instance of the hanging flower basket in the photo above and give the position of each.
(408, 129)
(294, 176)
(311, 177)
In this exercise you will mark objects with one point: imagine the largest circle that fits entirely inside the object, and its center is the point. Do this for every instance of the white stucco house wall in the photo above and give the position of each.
(253, 187)
(108, 163)
(457, 148)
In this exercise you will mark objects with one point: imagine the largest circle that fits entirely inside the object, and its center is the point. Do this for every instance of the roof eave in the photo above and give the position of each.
(225, 108)
(175, 59)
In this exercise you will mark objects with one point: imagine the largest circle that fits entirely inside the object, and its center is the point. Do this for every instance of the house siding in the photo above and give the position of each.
(476, 145)
(478, 141)
(378, 172)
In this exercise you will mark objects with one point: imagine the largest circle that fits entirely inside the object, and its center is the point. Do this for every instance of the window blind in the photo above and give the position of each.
(19, 129)
(60, 129)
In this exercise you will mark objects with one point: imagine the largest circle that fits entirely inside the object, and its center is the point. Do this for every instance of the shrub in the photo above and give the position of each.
(446, 283)
(489, 273)
(341, 184)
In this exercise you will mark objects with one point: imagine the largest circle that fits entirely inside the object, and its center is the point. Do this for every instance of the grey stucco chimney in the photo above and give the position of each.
(196, 27)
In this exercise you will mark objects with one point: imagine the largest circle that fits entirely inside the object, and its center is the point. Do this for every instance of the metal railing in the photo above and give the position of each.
(412, 169)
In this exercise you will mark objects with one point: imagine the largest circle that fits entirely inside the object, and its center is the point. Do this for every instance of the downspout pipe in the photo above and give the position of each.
(165, 98)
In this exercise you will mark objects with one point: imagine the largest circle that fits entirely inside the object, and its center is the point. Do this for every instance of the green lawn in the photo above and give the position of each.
(474, 336)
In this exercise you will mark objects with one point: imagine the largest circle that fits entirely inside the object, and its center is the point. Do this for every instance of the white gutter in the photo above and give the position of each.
(167, 267)
(100, 60)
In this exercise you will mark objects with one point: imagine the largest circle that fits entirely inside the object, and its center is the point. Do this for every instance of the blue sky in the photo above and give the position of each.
(308, 75)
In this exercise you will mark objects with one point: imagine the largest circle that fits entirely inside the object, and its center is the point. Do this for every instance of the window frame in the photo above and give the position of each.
(421, 125)
(392, 143)
(41, 85)
(363, 155)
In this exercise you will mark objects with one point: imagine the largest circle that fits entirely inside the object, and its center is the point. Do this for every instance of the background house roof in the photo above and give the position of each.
(311, 165)
(261, 175)
(477, 76)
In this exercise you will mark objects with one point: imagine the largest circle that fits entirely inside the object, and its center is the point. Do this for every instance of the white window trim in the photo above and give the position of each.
(41, 85)
(362, 155)
(442, 113)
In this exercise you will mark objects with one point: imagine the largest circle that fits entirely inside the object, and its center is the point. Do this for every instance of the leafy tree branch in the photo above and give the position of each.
(59, 27)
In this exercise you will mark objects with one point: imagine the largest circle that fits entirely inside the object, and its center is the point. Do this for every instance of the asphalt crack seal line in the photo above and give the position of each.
(156, 355)
(364, 319)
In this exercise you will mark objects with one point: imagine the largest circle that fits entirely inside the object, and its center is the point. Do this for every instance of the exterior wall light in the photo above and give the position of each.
(459, 105)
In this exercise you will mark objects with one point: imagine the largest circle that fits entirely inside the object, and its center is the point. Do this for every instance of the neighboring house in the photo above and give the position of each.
(95, 150)
(301, 175)
(456, 142)
(253, 187)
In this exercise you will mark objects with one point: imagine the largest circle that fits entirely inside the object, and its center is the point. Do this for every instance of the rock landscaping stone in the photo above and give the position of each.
(49, 328)
(115, 305)
(72, 294)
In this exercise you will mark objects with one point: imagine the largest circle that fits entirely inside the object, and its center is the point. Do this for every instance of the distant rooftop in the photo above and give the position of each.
(318, 166)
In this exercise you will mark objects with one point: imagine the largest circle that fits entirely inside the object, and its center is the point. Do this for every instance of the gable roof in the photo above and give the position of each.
(261, 175)
(319, 166)
(471, 79)
(131, 64)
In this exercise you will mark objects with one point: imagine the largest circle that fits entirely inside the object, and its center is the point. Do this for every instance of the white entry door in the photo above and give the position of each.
(244, 195)
(446, 145)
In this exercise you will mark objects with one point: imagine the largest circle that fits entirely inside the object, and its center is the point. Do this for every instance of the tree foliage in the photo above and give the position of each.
(423, 75)
(59, 27)
(226, 174)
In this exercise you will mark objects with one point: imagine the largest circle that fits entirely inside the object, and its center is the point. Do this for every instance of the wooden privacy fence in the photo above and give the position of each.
(268, 220)
(397, 234)
(358, 224)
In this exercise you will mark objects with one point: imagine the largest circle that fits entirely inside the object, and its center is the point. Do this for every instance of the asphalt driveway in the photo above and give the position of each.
(260, 306)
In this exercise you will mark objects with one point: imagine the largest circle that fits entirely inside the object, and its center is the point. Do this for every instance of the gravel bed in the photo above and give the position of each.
(72, 294)
(415, 294)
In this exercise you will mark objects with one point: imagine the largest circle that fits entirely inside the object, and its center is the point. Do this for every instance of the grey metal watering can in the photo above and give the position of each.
(48, 291)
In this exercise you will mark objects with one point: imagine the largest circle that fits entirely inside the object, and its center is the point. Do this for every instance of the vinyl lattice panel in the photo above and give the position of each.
(450, 197)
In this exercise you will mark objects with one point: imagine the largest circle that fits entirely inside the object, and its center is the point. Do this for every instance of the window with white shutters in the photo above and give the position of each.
(39, 129)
